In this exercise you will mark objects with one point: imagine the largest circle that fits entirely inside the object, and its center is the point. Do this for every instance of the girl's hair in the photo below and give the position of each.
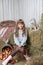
(23, 29)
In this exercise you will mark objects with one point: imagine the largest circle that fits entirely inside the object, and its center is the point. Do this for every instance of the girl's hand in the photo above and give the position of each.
(19, 46)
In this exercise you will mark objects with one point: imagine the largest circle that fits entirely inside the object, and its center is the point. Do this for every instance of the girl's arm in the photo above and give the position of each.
(16, 40)
(24, 39)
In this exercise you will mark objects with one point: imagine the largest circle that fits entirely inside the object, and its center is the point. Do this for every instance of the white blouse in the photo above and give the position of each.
(21, 40)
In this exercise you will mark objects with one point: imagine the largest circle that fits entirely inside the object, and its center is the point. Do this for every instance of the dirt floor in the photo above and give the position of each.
(17, 63)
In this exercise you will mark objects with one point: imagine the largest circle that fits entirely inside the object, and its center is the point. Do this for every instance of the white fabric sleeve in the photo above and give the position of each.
(16, 40)
(24, 39)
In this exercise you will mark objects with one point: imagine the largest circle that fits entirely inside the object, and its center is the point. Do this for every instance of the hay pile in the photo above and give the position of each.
(36, 60)
(36, 45)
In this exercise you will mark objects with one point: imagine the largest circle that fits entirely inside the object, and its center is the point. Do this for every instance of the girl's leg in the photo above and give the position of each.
(7, 60)
(24, 53)
(26, 57)
(10, 57)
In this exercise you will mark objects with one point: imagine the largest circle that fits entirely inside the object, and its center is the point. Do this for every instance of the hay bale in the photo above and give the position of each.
(36, 42)
(36, 38)
(41, 22)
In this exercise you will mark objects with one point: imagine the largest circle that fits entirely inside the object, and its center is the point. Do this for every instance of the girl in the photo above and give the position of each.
(20, 37)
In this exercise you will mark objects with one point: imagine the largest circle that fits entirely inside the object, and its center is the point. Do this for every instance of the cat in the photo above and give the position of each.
(33, 24)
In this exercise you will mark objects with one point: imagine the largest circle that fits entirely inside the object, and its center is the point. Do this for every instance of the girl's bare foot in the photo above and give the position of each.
(26, 57)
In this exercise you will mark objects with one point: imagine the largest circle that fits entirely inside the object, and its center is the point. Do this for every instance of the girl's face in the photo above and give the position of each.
(20, 26)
